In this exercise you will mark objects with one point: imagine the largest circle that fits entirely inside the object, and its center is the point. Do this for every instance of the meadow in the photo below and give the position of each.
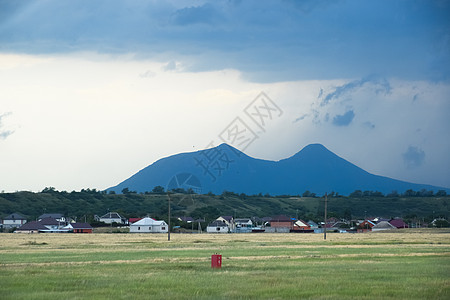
(405, 264)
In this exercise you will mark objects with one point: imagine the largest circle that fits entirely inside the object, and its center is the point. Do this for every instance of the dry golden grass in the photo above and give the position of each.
(403, 264)
(17, 242)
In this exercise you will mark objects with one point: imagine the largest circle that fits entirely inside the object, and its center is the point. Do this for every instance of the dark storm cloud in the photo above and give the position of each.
(267, 40)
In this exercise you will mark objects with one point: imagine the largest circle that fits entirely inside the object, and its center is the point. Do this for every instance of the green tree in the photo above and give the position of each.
(441, 224)
(356, 194)
(441, 193)
(158, 190)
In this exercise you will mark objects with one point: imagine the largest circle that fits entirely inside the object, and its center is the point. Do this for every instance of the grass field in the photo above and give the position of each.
(406, 264)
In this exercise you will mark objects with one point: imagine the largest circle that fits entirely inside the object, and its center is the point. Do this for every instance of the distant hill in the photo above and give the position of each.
(224, 168)
(87, 203)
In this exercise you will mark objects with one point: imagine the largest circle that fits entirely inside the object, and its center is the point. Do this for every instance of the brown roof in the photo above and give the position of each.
(14, 216)
(49, 221)
(281, 218)
(81, 226)
(33, 225)
(398, 223)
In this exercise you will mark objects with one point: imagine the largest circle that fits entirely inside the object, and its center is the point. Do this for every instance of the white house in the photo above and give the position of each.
(217, 227)
(243, 225)
(227, 220)
(149, 225)
(383, 225)
(13, 220)
(111, 217)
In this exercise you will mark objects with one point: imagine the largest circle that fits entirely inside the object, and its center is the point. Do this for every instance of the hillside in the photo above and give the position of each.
(88, 202)
(225, 168)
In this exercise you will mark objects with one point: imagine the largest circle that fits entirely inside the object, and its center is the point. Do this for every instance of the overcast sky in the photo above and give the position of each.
(93, 91)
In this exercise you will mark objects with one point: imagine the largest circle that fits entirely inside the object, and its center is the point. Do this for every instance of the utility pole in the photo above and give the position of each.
(325, 219)
(168, 231)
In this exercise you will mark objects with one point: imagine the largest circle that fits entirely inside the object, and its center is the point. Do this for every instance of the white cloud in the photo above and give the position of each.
(88, 122)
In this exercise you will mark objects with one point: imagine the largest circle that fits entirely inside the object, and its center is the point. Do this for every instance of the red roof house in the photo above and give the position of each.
(398, 223)
(79, 227)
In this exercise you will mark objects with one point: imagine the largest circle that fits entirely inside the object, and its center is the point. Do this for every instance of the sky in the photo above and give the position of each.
(93, 91)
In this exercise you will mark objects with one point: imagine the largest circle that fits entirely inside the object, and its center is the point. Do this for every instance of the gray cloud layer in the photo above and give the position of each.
(268, 40)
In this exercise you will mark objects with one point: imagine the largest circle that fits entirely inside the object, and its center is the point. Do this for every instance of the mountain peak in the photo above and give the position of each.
(226, 147)
(316, 148)
(314, 168)
(314, 151)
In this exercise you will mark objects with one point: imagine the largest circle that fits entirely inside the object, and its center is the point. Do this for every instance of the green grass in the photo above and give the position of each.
(290, 266)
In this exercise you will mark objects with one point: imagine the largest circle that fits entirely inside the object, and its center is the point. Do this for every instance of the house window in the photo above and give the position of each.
(163, 228)
(150, 228)
(139, 228)
(218, 228)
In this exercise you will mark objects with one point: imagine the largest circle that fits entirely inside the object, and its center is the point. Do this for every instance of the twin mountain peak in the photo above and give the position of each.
(225, 168)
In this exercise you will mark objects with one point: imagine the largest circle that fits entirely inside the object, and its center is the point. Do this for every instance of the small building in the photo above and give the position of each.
(31, 227)
(51, 223)
(217, 227)
(301, 226)
(366, 225)
(58, 217)
(186, 219)
(149, 225)
(243, 225)
(398, 223)
(112, 217)
(227, 220)
(313, 224)
(383, 225)
(79, 227)
(280, 224)
(281, 221)
(13, 220)
(245, 222)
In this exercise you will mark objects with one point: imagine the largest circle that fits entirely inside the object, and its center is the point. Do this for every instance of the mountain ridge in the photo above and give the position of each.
(313, 168)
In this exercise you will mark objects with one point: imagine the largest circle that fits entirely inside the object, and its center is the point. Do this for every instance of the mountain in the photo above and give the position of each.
(314, 168)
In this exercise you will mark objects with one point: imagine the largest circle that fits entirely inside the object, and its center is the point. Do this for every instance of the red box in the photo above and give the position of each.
(216, 261)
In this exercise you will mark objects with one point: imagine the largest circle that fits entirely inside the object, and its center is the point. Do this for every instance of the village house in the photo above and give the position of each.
(112, 217)
(227, 220)
(149, 225)
(217, 227)
(280, 223)
(383, 225)
(365, 225)
(14, 220)
(79, 228)
(301, 226)
(31, 227)
(313, 224)
(398, 223)
(52, 224)
(243, 225)
(186, 219)
(58, 217)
